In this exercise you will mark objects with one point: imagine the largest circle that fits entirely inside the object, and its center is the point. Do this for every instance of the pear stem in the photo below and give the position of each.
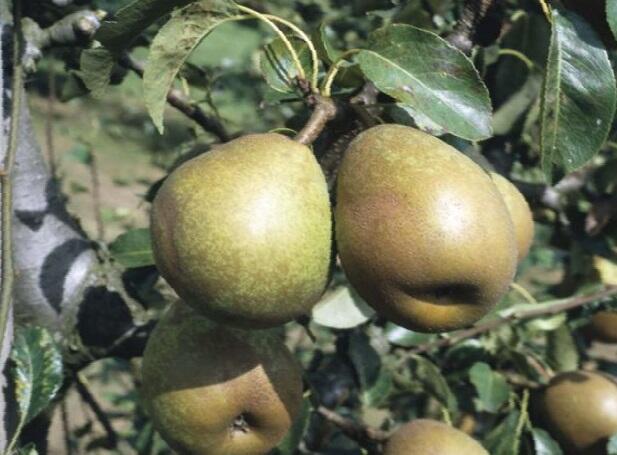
(324, 111)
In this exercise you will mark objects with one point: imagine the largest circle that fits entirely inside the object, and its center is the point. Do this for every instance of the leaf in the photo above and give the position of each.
(403, 113)
(365, 359)
(578, 97)
(611, 447)
(423, 71)
(172, 45)
(561, 350)
(96, 66)
(29, 449)
(434, 383)
(294, 436)
(611, 15)
(379, 393)
(133, 248)
(277, 65)
(341, 308)
(544, 444)
(502, 439)
(492, 388)
(406, 338)
(118, 31)
(37, 370)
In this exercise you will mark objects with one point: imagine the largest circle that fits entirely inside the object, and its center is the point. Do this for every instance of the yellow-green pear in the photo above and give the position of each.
(243, 233)
(214, 390)
(430, 437)
(423, 233)
(579, 410)
(519, 212)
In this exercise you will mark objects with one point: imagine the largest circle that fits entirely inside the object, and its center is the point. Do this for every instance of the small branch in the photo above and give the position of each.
(49, 121)
(474, 12)
(191, 110)
(96, 196)
(86, 395)
(75, 28)
(324, 111)
(551, 196)
(361, 433)
(541, 310)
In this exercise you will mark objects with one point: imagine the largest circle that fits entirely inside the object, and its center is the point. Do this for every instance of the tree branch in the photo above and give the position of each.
(545, 309)
(174, 98)
(324, 111)
(86, 395)
(359, 432)
(474, 13)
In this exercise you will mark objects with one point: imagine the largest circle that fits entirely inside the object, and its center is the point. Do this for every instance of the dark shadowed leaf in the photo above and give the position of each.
(37, 370)
(502, 439)
(492, 388)
(423, 71)
(133, 248)
(119, 30)
(278, 67)
(172, 45)
(578, 99)
(611, 15)
(434, 383)
(544, 444)
(365, 359)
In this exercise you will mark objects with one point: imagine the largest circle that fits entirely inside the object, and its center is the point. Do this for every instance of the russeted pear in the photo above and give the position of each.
(243, 233)
(579, 410)
(603, 326)
(519, 212)
(423, 233)
(430, 437)
(214, 390)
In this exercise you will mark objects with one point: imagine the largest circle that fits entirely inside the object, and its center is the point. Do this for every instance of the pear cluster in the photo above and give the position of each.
(247, 237)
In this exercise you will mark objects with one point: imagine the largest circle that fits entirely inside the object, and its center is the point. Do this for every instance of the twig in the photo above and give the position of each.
(324, 111)
(64, 414)
(174, 98)
(75, 28)
(86, 395)
(6, 198)
(473, 14)
(49, 122)
(96, 196)
(356, 431)
(523, 315)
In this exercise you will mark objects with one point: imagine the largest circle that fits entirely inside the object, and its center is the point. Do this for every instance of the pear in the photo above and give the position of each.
(214, 390)
(579, 410)
(430, 437)
(243, 233)
(603, 326)
(423, 233)
(519, 212)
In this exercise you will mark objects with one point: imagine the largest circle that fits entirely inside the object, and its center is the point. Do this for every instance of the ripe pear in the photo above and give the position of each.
(430, 437)
(243, 233)
(214, 390)
(579, 409)
(422, 232)
(603, 326)
(519, 212)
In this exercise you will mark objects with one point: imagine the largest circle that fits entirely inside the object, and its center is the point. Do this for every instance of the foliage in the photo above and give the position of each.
(535, 103)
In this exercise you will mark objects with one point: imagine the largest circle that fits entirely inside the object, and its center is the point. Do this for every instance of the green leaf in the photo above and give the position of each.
(172, 45)
(349, 74)
(561, 350)
(379, 392)
(341, 308)
(29, 449)
(133, 248)
(118, 31)
(365, 359)
(406, 338)
(96, 66)
(611, 15)
(278, 67)
(579, 94)
(37, 370)
(544, 444)
(502, 440)
(611, 447)
(81, 153)
(426, 372)
(492, 388)
(423, 71)
(294, 436)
